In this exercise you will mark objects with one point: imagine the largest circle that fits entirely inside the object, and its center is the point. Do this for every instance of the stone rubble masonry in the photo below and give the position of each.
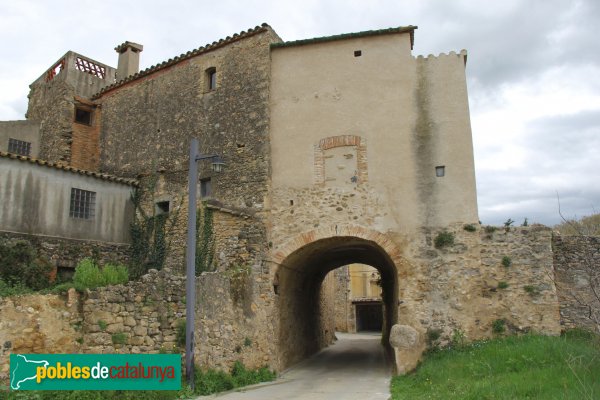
(237, 313)
(66, 253)
(577, 269)
(143, 317)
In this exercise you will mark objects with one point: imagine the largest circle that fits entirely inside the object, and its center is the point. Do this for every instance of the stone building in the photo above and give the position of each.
(339, 150)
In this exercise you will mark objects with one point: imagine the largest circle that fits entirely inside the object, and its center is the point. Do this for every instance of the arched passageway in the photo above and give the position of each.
(304, 325)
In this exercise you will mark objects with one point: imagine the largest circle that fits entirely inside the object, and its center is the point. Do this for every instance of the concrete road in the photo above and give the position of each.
(353, 368)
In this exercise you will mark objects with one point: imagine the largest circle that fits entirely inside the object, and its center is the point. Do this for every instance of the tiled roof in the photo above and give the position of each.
(106, 177)
(401, 29)
(186, 56)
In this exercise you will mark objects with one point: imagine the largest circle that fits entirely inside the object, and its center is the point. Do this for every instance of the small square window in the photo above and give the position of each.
(162, 207)
(83, 116)
(83, 204)
(19, 147)
(440, 171)
(357, 53)
(211, 78)
(205, 188)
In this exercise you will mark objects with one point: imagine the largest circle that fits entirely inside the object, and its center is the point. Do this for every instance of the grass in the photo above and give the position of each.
(525, 367)
(207, 382)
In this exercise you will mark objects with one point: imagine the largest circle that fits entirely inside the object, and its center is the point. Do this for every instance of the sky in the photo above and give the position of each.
(533, 73)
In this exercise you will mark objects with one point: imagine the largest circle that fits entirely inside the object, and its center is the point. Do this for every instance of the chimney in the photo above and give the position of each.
(129, 59)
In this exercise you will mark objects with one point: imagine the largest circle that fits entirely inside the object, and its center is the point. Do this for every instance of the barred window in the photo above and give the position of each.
(19, 147)
(83, 204)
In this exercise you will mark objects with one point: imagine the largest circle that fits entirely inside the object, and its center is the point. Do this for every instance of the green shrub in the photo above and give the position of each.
(502, 285)
(499, 326)
(443, 239)
(531, 290)
(470, 228)
(102, 324)
(115, 274)
(507, 224)
(506, 261)
(89, 275)
(119, 338)
(490, 229)
(212, 381)
(18, 289)
(21, 266)
(459, 340)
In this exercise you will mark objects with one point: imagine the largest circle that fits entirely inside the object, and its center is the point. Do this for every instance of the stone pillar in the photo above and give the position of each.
(408, 347)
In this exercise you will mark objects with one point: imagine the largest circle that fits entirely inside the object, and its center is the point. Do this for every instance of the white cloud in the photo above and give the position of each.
(533, 72)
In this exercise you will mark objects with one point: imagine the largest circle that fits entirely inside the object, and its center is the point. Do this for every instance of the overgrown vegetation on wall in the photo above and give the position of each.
(205, 240)
(150, 232)
(21, 269)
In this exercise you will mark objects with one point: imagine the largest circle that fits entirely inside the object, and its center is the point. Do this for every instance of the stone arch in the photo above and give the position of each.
(302, 264)
(339, 141)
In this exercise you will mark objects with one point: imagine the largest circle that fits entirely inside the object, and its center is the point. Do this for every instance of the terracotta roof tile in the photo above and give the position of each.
(98, 175)
(401, 29)
(182, 57)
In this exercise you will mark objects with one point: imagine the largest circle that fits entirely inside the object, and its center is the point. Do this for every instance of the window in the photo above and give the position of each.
(83, 204)
(440, 171)
(162, 207)
(83, 116)
(357, 53)
(211, 78)
(19, 147)
(205, 188)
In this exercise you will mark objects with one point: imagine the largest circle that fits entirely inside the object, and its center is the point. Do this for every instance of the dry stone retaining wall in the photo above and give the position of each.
(577, 268)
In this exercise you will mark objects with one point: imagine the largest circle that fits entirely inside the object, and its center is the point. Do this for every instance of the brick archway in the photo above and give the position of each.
(302, 264)
(357, 231)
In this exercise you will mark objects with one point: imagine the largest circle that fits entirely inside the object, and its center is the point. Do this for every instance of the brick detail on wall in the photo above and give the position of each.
(85, 144)
(339, 141)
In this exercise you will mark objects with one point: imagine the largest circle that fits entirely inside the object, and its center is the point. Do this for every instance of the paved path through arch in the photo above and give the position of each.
(354, 368)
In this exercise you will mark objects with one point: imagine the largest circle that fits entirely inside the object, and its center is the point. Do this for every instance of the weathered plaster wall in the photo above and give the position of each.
(28, 131)
(577, 266)
(354, 145)
(35, 199)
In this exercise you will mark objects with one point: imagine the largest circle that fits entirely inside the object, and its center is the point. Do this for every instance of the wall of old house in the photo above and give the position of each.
(36, 199)
(27, 131)
(52, 102)
(355, 142)
(147, 126)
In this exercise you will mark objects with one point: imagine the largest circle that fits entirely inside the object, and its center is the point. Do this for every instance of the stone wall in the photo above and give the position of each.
(342, 306)
(577, 268)
(38, 324)
(66, 253)
(144, 316)
(140, 317)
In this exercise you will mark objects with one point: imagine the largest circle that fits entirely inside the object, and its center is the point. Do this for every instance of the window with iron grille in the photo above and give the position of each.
(19, 147)
(83, 204)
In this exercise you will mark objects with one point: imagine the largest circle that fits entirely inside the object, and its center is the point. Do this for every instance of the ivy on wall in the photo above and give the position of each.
(150, 232)
(205, 240)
